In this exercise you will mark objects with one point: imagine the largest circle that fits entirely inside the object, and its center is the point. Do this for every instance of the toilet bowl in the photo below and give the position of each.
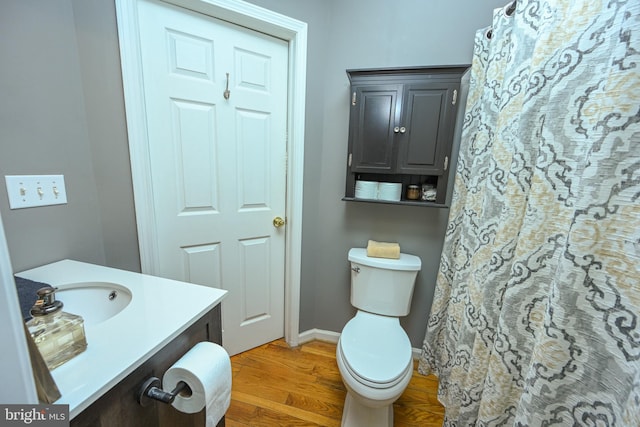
(374, 359)
(374, 353)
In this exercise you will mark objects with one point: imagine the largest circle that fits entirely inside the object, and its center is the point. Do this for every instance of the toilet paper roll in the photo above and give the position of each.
(366, 189)
(206, 369)
(390, 191)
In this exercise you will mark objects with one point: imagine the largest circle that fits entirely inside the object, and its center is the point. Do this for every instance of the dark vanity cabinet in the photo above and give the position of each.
(401, 127)
(120, 407)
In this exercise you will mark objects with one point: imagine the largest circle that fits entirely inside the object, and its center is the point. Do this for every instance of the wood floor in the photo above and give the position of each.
(274, 385)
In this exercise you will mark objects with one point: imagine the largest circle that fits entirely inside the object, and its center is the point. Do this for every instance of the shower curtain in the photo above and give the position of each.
(535, 314)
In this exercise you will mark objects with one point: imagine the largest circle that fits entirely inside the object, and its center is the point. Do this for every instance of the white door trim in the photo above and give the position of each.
(16, 367)
(252, 17)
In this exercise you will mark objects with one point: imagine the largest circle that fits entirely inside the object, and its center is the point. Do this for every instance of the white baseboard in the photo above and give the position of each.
(416, 353)
(320, 335)
(332, 337)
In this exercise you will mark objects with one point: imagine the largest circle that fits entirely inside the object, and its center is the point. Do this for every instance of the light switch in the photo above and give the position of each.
(26, 191)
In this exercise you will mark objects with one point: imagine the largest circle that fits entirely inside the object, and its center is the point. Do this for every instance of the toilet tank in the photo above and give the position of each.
(380, 285)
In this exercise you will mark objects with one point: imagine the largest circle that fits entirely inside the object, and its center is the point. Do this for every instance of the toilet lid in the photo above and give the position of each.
(375, 348)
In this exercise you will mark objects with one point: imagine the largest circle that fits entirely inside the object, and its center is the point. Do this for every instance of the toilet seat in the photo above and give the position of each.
(376, 350)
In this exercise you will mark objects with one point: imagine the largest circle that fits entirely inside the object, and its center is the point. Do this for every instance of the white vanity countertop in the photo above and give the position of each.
(160, 310)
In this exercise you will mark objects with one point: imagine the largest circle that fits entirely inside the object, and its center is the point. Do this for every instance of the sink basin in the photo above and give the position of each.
(94, 301)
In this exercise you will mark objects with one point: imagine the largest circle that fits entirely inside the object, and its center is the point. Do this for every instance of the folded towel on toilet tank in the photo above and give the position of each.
(383, 249)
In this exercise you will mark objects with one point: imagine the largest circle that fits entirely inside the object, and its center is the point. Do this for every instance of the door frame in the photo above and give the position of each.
(247, 15)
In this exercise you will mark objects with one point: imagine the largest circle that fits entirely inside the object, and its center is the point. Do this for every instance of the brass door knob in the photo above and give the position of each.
(278, 222)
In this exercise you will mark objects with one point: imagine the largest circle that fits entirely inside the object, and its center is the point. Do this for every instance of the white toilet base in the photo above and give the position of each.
(356, 414)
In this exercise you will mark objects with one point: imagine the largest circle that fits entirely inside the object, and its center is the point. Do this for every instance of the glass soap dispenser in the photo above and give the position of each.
(58, 335)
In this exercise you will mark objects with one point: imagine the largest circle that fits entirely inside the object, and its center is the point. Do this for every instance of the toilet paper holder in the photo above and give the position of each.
(151, 390)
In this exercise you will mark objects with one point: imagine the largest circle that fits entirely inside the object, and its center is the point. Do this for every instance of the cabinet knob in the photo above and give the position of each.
(403, 129)
(396, 129)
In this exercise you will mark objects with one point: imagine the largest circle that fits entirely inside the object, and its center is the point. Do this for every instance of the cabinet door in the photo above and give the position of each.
(119, 406)
(425, 127)
(375, 110)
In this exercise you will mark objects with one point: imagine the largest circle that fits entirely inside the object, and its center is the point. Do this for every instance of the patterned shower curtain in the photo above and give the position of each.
(537, 302)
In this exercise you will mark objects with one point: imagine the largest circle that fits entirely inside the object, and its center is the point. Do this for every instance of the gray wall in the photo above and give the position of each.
(367, 34)
(43, 129)
(62, 111)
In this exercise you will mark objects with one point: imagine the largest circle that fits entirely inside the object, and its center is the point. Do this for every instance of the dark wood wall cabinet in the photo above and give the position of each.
(401, 129)
(120, 407)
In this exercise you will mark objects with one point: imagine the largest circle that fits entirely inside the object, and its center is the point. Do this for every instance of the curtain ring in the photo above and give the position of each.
(511, 8)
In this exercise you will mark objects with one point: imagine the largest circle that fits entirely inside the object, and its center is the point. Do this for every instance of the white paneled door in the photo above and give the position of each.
(216, 107)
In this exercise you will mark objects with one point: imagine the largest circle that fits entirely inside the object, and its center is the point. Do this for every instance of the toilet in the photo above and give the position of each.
(374, 353)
